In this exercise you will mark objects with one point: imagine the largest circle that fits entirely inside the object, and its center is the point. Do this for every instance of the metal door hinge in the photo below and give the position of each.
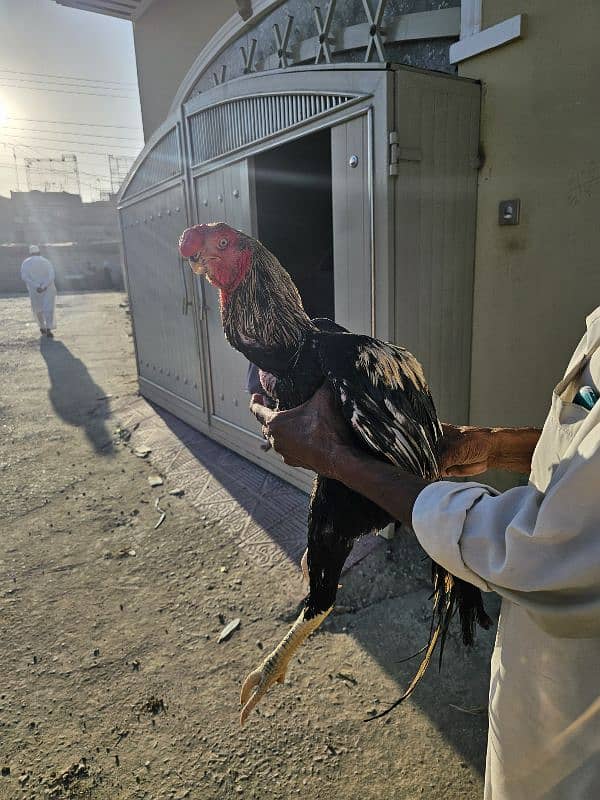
(398, 154)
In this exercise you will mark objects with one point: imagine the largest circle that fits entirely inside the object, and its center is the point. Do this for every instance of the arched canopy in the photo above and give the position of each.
(244, 113)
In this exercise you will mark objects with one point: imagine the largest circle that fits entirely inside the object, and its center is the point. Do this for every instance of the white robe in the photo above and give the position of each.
(38, 272)
(538, 546)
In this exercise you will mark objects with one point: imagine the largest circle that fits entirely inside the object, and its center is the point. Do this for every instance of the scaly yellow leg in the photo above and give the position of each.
(273, 668)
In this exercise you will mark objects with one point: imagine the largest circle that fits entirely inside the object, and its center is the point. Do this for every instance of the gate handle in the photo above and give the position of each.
(186, 302)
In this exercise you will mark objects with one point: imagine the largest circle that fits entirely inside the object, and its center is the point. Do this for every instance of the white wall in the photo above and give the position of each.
(540, 131)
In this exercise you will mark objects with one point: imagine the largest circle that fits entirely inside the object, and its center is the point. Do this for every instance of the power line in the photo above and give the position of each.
(64, 122)
(60, 149)
(57, 176)
(66, 77)
(66, 84)
(14, 145)
(72, 133)
(36, 138)
(76, 150)
(105, 177)
(96, 187)
(62, 91)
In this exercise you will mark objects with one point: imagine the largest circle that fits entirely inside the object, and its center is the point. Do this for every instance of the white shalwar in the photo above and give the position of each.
(538, 546)
(37, 272)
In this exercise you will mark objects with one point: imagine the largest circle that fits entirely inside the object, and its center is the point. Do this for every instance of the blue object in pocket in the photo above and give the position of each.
(586, 397)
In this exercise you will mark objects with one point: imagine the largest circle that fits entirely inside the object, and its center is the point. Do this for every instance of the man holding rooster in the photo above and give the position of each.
(372, 435)
(538, 546)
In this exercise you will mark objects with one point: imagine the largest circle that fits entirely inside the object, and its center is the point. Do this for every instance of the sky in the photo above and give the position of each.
(68, 85)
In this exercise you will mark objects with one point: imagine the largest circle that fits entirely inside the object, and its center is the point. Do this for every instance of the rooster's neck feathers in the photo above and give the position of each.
(264, 314)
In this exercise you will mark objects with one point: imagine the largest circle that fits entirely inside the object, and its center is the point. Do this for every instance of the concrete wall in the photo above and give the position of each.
(534, 283)
(40, 217)
(168, 37)
(7, 219)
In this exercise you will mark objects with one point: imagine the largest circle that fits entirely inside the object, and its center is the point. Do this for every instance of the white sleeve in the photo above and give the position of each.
(26, 277)
(541, 551)
(49, 273)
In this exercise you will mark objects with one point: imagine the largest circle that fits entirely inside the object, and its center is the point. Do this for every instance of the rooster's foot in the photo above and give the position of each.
(273, 668)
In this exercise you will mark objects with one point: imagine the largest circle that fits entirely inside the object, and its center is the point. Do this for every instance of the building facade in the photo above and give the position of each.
(536, 281)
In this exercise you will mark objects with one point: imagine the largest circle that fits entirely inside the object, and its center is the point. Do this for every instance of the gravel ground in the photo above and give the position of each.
(112, 681)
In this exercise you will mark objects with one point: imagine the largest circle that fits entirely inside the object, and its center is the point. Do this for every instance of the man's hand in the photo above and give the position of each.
(313, 435)
(465, 451)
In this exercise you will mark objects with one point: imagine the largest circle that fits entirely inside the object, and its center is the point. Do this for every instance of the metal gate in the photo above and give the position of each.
(161, 291)
(224, 195)
(402, 254)
(199, 168)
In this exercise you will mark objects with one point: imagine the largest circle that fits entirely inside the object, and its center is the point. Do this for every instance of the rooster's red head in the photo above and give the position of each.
(220, 253)
(260, 303)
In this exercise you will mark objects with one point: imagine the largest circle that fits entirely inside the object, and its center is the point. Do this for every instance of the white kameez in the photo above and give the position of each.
(37, 272)
(538, 546)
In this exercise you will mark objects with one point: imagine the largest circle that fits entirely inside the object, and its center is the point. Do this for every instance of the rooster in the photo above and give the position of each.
(381, 392)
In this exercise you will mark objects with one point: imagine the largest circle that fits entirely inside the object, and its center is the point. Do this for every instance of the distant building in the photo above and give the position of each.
(81, 239)
(46, 217)
(7, 219)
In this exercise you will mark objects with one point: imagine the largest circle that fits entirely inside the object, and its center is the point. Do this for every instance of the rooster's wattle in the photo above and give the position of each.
(381, 392)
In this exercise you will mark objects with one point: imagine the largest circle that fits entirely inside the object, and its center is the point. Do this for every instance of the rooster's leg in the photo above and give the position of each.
(273, 668)
(327, 550)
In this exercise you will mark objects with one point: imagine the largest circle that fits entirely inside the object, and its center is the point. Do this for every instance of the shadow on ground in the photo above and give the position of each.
(75, 396)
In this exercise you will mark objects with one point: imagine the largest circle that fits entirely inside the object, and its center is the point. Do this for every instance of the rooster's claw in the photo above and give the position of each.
(258, 683)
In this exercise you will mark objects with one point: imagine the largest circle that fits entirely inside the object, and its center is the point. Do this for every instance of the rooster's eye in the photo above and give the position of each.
(222, 244)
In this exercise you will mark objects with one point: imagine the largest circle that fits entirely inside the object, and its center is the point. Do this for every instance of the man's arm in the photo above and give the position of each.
(51, 276)
(315, 437)
(396, 491)
(389, 487)
(26, 277)
(469, 451)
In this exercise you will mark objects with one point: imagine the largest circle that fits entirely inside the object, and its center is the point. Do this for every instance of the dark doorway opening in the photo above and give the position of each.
(294, 215)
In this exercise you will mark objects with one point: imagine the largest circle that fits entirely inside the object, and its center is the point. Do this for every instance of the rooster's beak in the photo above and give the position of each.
(198, 264)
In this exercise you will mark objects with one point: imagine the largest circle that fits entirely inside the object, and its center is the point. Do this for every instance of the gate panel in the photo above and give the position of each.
(224, 196)
(160, 291)
(352, 233)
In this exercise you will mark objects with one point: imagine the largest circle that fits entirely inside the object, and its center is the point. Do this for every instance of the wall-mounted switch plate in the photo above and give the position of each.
(509, 212)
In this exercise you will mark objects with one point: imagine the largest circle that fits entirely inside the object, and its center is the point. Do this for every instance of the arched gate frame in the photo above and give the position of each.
(198, 167)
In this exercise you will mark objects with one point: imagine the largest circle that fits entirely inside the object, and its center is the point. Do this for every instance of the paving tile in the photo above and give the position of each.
(265, 516)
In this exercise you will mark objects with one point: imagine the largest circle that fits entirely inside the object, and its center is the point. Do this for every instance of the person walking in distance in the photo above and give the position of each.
(38, 274)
